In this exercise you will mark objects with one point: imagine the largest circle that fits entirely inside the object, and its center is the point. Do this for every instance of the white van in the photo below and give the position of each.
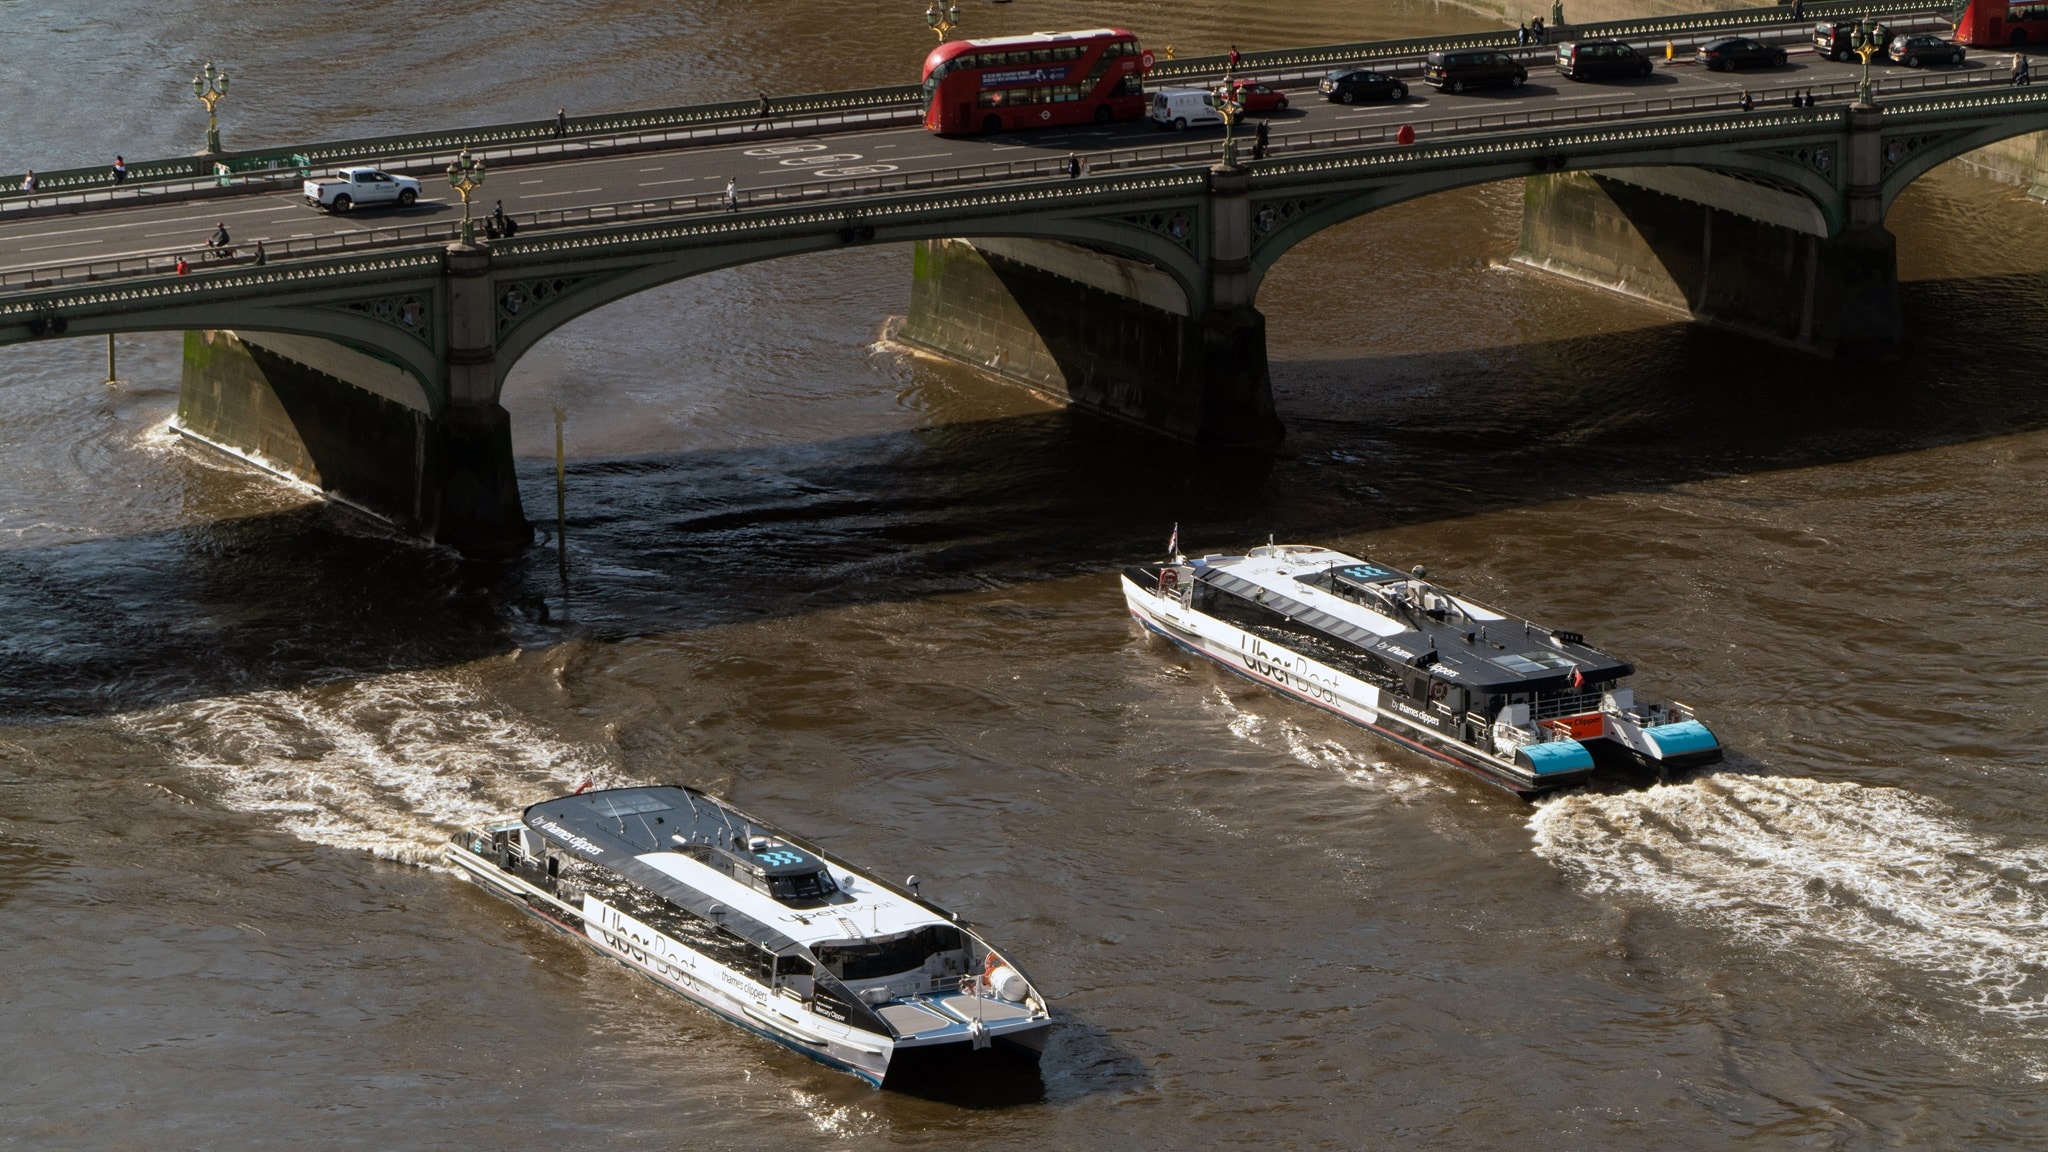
(1179, 108)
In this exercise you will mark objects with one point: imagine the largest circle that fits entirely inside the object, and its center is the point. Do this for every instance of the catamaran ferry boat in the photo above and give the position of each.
(762, 929)
(1528, 708)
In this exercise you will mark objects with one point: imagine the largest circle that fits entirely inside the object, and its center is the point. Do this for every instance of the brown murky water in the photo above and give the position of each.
(872, 599)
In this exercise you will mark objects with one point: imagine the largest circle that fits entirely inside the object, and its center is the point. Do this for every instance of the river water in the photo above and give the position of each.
(872, 598)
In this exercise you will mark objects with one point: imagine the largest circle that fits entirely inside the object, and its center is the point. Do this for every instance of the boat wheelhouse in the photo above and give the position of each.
(1528, 708)
(761, 928)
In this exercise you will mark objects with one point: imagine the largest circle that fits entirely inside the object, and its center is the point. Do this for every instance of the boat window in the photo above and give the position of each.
(875, 959)
(805, 887)
(612, 806)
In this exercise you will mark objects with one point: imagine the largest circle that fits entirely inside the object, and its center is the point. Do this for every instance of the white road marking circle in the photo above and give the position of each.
(856, 170)
(814, 161)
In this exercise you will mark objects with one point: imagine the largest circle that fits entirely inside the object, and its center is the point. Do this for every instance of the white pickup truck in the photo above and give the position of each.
(353, 186)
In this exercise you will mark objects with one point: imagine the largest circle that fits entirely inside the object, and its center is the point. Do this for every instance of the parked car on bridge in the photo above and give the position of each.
(1257, 97)
(1837, 41)
(1913, 51)
(1179, 108)
(1473, 68)
(1732, 52)
(353, 186)
(1350, 85)
(1600, 60)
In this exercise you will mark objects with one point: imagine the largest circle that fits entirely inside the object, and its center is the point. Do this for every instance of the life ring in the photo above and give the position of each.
(1438, 689)
(989, 965)
(1169, 578)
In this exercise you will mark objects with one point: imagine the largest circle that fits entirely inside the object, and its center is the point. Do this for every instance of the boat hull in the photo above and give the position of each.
(1330, 690)
(878, 1060)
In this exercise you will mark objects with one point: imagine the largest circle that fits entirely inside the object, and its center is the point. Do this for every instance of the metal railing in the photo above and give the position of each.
(1131, 161)
(858, 107)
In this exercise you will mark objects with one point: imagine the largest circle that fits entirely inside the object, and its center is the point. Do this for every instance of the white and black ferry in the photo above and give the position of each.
(1525, 707)
(762, 929)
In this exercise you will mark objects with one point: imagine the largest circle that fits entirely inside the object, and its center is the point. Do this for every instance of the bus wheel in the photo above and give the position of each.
(1102, 114)
(992, 123)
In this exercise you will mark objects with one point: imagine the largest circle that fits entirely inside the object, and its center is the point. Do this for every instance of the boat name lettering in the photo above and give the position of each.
(1287, 669)
(1425, 717)
(570, 838)
(1397, 650)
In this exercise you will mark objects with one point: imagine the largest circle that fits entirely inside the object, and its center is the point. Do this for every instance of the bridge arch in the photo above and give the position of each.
(1909, 154)
(1298, 214)
(591, 288)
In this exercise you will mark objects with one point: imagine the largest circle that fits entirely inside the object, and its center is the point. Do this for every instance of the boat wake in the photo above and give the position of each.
(389, 765)
(1869, 882)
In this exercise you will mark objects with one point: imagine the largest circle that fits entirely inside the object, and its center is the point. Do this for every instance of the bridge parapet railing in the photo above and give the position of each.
(1937, 94)
(1295, 60)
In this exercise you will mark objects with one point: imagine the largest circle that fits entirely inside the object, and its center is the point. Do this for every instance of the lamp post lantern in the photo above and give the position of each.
(942, 18)
(1230, 106)
(466, 175)
(1865, 40)
(210, 86)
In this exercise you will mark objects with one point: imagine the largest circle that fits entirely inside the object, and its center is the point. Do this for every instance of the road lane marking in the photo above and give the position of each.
(656, 168)
(571, 192)
(524, 183)
(659, 183)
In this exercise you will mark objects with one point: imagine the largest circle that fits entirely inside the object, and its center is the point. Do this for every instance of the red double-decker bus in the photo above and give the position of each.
(2002, 23)
(1036, 81)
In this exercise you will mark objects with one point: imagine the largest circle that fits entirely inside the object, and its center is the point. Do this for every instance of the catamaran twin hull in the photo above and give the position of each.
(761, 930)
(1527, 709)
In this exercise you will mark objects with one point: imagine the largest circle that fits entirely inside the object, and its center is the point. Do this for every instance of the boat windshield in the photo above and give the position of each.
(877, 959)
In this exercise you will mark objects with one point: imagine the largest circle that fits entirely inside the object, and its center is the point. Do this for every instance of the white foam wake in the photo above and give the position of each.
(389, 765)
(1863, 881)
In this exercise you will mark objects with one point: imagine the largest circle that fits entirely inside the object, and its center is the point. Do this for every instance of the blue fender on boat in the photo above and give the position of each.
(1555, 756)
(1682, 738)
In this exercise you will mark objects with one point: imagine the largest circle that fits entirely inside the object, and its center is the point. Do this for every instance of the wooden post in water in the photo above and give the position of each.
(110, 358)
(561, 503)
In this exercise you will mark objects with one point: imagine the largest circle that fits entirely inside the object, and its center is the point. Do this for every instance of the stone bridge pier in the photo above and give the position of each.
(1732, 252)
(435, 460)
(1181, 352)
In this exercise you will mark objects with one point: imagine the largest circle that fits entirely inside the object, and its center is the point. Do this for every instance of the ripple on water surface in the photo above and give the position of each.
(1876, 887)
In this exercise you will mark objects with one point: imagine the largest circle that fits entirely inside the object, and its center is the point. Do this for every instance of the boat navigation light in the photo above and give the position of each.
(1419, 572)
(910, 882)
(717, 911)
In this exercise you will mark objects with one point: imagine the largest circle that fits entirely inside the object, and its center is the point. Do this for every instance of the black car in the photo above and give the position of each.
(1473, 68)
(1838, 41)
(1350, 85)
(1913, 51)
(1730, 53)
(1600, 60)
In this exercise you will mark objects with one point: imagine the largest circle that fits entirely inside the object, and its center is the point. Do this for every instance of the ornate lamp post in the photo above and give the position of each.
(1867, 44)
(1230, 107)
(942, 18)
(210, 86)
(466, 176)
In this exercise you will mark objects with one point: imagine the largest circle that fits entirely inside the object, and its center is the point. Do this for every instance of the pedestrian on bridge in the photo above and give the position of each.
(261, 257)
(1073, 166)
(1536, 30)
(1798, 9)
(120, 169)
(561, 121)
(1748, 101)
(28, 182)
(2019, 68)
(732, 194)
(1522, 36)
(764, 105)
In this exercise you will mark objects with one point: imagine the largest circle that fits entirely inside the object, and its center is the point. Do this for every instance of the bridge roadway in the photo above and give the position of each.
(539, 193)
